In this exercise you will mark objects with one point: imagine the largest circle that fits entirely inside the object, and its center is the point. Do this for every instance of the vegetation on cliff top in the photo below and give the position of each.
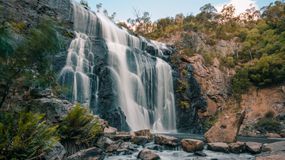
(259, 35)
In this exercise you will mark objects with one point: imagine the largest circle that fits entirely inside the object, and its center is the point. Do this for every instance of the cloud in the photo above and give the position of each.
(240, 5)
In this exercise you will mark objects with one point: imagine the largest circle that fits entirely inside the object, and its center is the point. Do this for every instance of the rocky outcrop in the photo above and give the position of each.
(226, 129)
(146, 154)
(188, 98)
(192, 145)
(258, 105)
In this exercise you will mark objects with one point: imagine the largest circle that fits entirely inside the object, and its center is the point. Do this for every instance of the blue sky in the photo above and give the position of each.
(164, 8)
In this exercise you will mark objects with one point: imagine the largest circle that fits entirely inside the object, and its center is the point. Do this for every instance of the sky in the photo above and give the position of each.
(166, 8)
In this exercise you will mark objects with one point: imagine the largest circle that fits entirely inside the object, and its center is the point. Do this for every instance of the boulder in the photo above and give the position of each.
(238, 147)
(145, 133)
(218, 147)
(124, 136)
(56, 152)
(275, 156)
(140, 140)
(147, 154)
(192, 145)
(91, 153)
(104, 142)
(253, 147)
(274, 147)
(54, 109)
(226, 129)
(110, 130)
(166, 140)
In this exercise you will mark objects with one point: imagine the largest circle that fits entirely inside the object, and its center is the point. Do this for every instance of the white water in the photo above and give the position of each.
(144, 83)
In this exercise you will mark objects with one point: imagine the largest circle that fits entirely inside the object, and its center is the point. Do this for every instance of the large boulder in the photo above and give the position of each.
(274, 147)
(226, 129)
(275, 151)
(166, 140)
(237, 147)
(54, 109)
(218, 147)
(91, 153)
(253, 147)
(147, 154)
(192, 145)
(104, 142)
(140, 140)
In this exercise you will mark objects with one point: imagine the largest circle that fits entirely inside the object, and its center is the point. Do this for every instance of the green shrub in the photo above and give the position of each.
(268, 70)
(79, 127)
(208, 57)
(228, 62)
(25, 135)
(184, 104)
(268, 125)
(240, 83)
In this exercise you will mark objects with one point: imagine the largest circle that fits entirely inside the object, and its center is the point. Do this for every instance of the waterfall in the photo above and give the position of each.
(143, 82)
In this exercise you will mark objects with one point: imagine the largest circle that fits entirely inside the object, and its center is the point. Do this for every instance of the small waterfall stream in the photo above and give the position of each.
(143, 82)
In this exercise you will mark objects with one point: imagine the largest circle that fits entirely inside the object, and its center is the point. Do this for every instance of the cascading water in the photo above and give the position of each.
(143, 82)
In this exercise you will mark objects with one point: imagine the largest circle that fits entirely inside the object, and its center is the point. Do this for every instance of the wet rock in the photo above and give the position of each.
(253, 147)
(238, 147)
(275, 156)
(140, 140)
(192, 145)
(147, 154)
(40, 93)
(226, 129)
(166, 140)
(104, 142)
(200, 154)
(145, 133)
(56, 153)
(218, 147)
(124, 136)
(274, 147)
(91, 153)
(273, 135)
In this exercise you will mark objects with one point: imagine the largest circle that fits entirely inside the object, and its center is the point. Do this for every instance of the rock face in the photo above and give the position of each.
(257, 104)
(146, 154)
(189, 99)
(192, 145)
(226, 129)
(165, 140)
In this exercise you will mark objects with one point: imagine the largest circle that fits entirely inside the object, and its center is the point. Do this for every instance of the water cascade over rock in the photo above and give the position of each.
(121, 77)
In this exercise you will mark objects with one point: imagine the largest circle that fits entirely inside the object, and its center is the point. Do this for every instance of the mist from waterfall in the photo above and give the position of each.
(143, 82)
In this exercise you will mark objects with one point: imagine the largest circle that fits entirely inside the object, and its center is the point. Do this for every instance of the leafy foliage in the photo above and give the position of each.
(79, 126)
(27, 58)
(240, 83)
(268, 125)
(25, 135)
